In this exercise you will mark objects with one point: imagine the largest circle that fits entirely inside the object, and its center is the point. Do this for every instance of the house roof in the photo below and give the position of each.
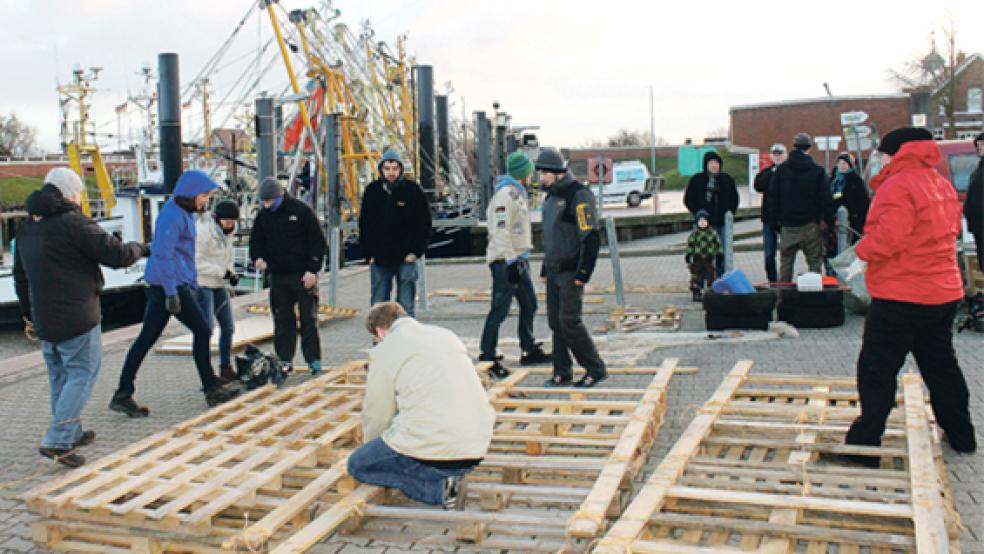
(976, 56)
(817, 100)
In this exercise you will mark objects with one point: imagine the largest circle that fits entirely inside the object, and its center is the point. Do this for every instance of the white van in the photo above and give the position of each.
(630, 184)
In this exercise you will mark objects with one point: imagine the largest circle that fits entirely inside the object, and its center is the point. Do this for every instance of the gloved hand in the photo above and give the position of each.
(689, 258)
(512, 273)
(232, 276)
(857, 267)
(173, 304)
(144, 250)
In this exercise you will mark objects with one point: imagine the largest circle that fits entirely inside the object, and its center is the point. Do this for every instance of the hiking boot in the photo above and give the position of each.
(534, 355)
(557, 381)
(219, 395)
(126, 405)
(589, 381)
(226, 372)
(64, 456)
(498, 371)
(455, 491)
(964, 448)
(86, 438)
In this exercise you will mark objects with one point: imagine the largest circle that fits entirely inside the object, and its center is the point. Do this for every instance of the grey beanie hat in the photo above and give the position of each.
(68, 182)
(550, 160)
(271, 189)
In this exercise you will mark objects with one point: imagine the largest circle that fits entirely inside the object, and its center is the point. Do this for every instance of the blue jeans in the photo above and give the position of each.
(375, 463)
(73, 366)
(503, 293)
(215, 303)
(770, 245)
(381, 279)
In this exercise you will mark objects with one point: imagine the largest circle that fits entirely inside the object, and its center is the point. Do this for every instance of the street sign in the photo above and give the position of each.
(866, 143)
(605, 173)
(862, 131)
(853, 118)
(826, 144)
(918, 120)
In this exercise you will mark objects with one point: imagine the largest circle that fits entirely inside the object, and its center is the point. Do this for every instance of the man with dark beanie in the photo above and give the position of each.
(172, 281)
(973, 208)
(799, 199)
(713, 191)
(58, 280)
(394, 231)
(915, 288)
(287, 243)
(570, 244)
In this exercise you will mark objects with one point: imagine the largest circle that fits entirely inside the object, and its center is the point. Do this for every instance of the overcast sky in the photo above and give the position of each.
(580, 70)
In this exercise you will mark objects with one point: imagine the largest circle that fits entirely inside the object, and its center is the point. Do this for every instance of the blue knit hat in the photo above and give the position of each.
(519, 166)
(390, 155)
(701, 214)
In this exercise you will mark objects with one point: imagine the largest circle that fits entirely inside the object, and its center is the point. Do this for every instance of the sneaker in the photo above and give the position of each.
(126, 405)
(86, 438)
(455, 491)
(534, 355)
(314, 366)
(498, 371)
(219, 395)
(589, 381)
(226, 372)
(64, 456)
(557, 381)
(221, 381)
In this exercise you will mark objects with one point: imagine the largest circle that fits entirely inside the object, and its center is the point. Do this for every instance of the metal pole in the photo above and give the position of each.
(500, 144)
(728, 241)
(169, 116)
(616, 261)
(601, 185)
(265, 155)
(422, 283)
(278, 132)
(443, 138)
(330, 126)
(482, 148)
(652, 134)
(425, 127)
(842, 232)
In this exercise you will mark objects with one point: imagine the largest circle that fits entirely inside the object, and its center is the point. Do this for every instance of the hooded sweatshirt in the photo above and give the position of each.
(798, 193)
(508, 219)
(56, 266)
(172, 259)
(394, 220)
(213, 252)
(715, 193)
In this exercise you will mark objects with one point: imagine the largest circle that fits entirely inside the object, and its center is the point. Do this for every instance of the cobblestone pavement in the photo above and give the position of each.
(169, 385)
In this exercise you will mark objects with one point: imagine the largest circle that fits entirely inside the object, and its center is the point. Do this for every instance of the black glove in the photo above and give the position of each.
(512, 273)
(232, 277)
(144, 250)
(173, 304)
(689, 258)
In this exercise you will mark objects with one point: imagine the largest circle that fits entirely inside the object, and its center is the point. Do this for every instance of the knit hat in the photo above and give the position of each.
(713, 155)
(895, 138)
(68, 182)
(519, 166)
(550, 160)
(271, 189)
(802, 141)
(701, 214)
(847, 157)
(227, 209)
(390, 155)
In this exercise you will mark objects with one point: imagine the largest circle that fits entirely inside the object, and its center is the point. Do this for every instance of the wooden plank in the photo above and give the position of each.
(329, 520)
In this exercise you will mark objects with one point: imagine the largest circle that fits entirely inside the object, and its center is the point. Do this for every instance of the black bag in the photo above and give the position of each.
(256, 369)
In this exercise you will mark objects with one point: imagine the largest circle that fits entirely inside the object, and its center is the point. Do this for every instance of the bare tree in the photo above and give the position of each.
(934, 72)
(625, 137)
(16, 137)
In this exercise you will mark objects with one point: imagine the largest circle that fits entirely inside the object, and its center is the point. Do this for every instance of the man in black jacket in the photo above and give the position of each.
(770, 235)
(58, 281)
(715, 192)
(394, 231)
(288, 244)
(974, 204)
(799, 199)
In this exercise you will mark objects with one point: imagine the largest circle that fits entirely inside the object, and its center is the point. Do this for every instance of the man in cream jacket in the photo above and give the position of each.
(508, 255)
(426, 419)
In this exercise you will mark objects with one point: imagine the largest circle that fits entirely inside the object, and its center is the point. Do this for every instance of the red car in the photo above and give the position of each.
(959, 160)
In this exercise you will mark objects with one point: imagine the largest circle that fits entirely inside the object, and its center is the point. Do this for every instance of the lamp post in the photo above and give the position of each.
(652, 132)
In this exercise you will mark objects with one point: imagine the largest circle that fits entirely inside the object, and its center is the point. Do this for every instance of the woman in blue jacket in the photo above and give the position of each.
(172, 290)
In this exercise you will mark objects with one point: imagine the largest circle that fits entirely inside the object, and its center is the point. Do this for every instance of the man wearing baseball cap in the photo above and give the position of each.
(770, 233)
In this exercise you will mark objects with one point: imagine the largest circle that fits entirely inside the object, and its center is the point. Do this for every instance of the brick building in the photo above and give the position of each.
(968, 101)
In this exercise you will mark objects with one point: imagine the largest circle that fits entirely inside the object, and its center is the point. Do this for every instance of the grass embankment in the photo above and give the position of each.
(735, 165)
(14, 190)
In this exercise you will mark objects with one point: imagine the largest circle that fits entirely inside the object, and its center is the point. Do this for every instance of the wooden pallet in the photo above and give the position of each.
(749, 475)
(194, 485)
(560, 466)
(250, 330)
(626, 321)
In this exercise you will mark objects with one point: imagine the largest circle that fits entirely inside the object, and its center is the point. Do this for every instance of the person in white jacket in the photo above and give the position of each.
(508, 255)
(426, 419)
(213, 260)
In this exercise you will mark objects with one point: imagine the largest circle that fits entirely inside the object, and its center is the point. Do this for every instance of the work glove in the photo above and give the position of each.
(173, 304)
(144, 250)
(512, 273)
(232, 276)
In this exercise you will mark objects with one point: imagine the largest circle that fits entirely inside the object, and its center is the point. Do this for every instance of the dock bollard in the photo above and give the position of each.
(334, 243)
(616, 261)
(842, 229)
(422, 284)
(728, 241)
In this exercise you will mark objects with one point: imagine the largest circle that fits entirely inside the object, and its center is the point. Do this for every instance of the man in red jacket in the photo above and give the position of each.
(915, 286)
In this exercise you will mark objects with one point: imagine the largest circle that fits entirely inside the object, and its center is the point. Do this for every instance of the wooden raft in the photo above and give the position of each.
(264, 456)
(560, 466)
(751, 474)
(249, 330)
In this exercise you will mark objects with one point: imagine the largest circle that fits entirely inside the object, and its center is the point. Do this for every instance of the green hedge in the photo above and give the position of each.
(14, 190)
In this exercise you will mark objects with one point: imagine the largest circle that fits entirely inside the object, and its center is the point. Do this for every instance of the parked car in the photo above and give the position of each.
(959, 160)
(631, 184)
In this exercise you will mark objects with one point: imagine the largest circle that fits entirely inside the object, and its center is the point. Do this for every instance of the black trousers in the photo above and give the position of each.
(288, 299)
(565, 302)
(891, 331)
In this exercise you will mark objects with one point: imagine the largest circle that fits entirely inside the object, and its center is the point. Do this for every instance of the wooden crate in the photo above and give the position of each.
(560, 466)
(752, 474)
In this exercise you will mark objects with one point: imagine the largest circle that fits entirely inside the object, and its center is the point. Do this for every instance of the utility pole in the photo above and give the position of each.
(652, 132)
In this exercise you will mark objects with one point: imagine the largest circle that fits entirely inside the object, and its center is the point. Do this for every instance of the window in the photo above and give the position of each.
(975, 101)
(961, 166)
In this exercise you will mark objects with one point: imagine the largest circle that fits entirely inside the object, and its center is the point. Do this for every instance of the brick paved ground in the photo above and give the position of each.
(169, 386)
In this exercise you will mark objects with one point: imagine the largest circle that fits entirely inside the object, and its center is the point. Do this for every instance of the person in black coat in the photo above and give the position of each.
(848, 189)
(770, 234)
(974, 203)
(288, 244)
(394, 231)
(58, 281)
(715, 192)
